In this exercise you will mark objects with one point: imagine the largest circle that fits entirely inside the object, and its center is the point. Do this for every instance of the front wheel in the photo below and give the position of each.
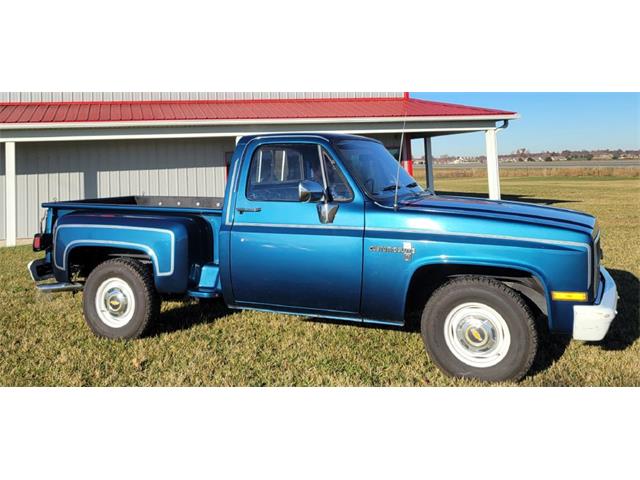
(477, 327)
(120, 300)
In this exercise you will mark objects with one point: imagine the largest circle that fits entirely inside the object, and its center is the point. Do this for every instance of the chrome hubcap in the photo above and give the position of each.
(115, 302)
(477, 334)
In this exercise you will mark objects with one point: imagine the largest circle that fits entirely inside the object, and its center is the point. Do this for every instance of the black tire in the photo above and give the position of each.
(139, 279)
(515, 361)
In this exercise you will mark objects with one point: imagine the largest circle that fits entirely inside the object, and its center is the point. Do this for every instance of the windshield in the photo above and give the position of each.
(375, 169)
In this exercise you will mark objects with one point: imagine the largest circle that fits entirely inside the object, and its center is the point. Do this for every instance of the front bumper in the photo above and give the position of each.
(591, 322)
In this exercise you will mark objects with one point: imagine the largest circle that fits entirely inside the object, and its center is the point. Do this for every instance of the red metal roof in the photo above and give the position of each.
(145, 111)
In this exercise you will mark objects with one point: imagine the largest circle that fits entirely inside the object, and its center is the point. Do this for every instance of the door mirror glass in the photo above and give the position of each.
(310, 191)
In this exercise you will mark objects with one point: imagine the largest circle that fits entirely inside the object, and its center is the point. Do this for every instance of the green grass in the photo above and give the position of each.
(44, 341)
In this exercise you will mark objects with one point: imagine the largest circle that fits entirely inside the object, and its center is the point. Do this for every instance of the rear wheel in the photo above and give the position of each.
(477, 327)
(120, 300)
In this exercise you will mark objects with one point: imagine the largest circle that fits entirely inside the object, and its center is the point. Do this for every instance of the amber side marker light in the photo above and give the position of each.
(569, 296)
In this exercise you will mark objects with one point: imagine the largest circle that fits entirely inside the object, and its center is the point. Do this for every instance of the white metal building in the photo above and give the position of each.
(75, 145)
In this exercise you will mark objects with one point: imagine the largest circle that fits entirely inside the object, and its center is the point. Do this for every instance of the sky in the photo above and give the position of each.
(548, 122)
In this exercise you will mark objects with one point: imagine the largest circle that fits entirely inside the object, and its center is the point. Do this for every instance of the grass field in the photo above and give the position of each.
(540, 171)
(44, 341)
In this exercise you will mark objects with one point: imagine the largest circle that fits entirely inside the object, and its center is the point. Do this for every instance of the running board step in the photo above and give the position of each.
(204, 293)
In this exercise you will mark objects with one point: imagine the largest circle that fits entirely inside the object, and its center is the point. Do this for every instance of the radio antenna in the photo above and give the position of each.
(395, 196)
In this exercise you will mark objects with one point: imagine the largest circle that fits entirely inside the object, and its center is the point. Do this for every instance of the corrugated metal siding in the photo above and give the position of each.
(138, 96)
(52, 171)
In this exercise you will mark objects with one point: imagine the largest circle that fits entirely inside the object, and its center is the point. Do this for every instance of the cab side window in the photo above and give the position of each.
(276, 170)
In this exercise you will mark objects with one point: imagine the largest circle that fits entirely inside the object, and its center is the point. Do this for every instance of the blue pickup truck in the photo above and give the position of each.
(327, 226)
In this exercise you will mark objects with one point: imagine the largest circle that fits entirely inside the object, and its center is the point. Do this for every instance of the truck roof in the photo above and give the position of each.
(329, 137)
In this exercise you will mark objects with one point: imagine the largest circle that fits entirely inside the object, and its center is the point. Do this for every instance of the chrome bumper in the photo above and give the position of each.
(40, 271)
(60, 287)
(591, 322)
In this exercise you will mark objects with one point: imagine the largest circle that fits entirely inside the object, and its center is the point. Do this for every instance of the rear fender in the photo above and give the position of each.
(166, 242)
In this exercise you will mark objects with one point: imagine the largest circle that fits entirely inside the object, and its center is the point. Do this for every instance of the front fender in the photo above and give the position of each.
(388, 272)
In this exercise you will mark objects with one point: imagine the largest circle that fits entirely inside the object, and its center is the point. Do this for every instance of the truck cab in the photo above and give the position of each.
(330, 226)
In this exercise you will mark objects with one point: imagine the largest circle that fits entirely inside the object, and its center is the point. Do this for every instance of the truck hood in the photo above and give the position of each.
(499, 209)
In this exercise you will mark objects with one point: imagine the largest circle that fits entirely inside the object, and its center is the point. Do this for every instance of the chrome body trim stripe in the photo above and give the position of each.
(150, 251)
(481, 235)
(295, 225)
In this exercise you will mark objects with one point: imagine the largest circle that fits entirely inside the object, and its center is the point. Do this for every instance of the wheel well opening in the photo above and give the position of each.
(82, 260)
(427, 279)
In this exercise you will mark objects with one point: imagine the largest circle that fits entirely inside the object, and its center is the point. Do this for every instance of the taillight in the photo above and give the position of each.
(41, 241)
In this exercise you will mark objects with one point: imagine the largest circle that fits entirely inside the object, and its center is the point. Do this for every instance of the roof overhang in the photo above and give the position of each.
(235, 128)
(274, 121)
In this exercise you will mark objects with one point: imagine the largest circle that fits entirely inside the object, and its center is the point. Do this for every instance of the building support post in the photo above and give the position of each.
(493, 169)
(428, 164)
(407, 155)
(10, 192)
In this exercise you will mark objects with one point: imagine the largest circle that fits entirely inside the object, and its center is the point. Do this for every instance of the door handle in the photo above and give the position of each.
(248, 210)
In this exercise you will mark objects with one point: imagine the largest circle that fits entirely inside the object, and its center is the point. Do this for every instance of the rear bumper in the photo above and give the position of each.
(40, 270)
(592, 322)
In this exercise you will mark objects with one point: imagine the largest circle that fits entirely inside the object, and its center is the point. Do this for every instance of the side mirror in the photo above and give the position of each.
(309, 191)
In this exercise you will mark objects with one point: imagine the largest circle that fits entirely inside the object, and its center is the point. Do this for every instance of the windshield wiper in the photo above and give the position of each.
(393, 187)
(416, 196)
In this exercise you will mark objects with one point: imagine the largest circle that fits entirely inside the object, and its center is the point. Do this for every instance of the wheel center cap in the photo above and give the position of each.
(115, 302)
(476, 336)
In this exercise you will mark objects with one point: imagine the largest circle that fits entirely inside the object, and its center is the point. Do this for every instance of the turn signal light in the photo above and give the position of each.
(569, 296)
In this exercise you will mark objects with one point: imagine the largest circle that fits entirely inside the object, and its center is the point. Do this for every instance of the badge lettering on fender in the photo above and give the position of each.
(407, 250)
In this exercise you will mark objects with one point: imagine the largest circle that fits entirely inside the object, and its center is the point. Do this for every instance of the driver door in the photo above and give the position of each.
(282, 255)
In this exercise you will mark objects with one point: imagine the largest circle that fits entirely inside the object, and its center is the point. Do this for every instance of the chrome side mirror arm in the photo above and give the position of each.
(312, 192)
(327, 211)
